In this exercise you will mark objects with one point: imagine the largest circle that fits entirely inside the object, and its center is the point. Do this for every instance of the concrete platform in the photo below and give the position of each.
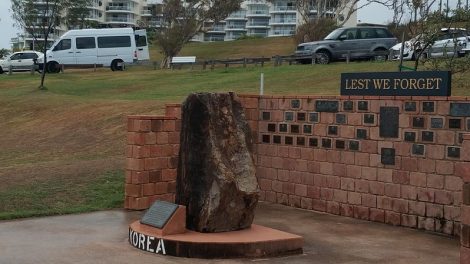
(101, 237)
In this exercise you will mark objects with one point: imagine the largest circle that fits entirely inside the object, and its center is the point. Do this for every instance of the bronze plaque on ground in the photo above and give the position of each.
(159, 214)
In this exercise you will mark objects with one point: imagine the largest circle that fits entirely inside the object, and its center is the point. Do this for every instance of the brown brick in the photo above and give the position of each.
(301, 190)
(466, 194)
(401, 177)
(392, 218)
(418, 179)
(347, 157)
(265, 184)
(453, 183)
(435, 181)
(155, 176)
(313, 192)
(409, 192)
(465, 236)
(376, 215)
(295, 177)
(354, 198)
(392, 190)
(161, 187)
(361, 212)
(169, 125)
(384, 203)
(409, 220)
(142, 125)
(369, 173)
(282, 198)
(426, 223)
(340, 196)
(369, 200)
(353, 171)
(133, 190)
(425, 195)
(326, 194)
(135, 164)
(464, 255)
(400, 206)
(444, 167)
(162, 138)
(283, 175)
(443, 197)
(294, 152)
(139, 177)
(426, 165)
(326, 168)
(362, 159)
(452, 212)
(140, 203)
(332, 207)
(346, 210)
(377, 188)
(347, 184)
(319, 205)
(307, 178)
(369, 146)
(362, 186)
(384, 175)
(288, 188)
(333, 156)
(333, 182)
(446, 227)
(417, 208)
(339, 170)
(409, 164)
(435, 151)
(434, 210)
(148, 189)
(445, 137)
(462, 169)
(306, 203)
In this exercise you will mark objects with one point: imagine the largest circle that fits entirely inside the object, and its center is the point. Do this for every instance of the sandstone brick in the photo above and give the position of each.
(400, 206)
(425, 195)
(265, 185)
(417, 208)
(135, 164)
(377, 188)
(426, 165)
(161, 187)
(464, 255)
(409, 220)
(362, 159)
(402, 148)
(392, 190)
(369, 200)
(288, 164)
(294, 201)
(282, 198)
(409, 192)
(426, 223)
(276, 186)
(313, 192)
(340, 196)
(306, 203)
(148, 189)
(401, 177)
(409, 164)
(354, 198)
(446, 227)
(444, 167)
(435, 181)
(326, 168)
(288, 188)
(347, 157)
(307, 178)
(453, 183)
(339, 170)
(140, 177)
(333, 156)
(443, 197)
(319, 205)
(162, 138)
(384, 203)
(361, 212)
(313, 166)
(333, 182)
(301, 190)
(139, 203)
(384, 175)
(326, 194)
(452, 213)
(332, 207)
(445, 137)
(133, 190)
(362, 186)
(320, 155)
(369, 146)
(462, 169)
(353, 171)
(434, 210)
(346, 210)
(320, 180)
(376, 215)
(392, 218)
(418, 179)
(294, 152)
(369, 173)
(435, 151)
(169, 125)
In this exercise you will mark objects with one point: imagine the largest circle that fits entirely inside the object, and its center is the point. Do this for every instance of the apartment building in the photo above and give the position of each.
(255, 18)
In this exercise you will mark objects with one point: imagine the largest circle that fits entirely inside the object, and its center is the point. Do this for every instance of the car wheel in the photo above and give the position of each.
(322, 57)
(380, 54)
(115, 65)
(52, 67)
(1, 70)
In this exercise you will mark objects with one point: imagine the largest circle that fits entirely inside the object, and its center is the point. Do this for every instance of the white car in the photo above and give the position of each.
(448, 42)
(19, 61)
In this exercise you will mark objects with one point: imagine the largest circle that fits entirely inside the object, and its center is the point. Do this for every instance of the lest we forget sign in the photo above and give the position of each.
(418, 83)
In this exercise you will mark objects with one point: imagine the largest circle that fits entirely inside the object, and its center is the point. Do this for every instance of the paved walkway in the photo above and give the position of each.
(101, 237)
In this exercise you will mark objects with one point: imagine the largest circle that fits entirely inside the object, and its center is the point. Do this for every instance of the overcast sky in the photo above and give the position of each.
(373, 13)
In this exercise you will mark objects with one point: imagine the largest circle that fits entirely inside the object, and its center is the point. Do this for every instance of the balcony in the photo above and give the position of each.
(146, 12)
(281, 21)
(216, 30)
(258, 13)
(257, 25)
(283, 9)
(279, 33)
(240, 15)
(120, 9)
(120, 20)
(238, 27)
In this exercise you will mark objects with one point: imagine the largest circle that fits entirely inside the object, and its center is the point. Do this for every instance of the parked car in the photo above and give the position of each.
(355, 42)
(19, 61)
(449, 42)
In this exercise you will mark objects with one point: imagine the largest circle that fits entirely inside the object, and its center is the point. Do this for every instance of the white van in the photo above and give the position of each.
(102, 47)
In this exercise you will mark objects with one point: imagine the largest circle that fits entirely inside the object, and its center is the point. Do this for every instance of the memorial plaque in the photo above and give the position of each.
(437, 122)
(332, 130)
(369, 119)
(348, 105)
(455, 123)
(389, 122)
(277, 139)
(428, 107)
(326, 143)
(288, 140)
(313, 117)
(340, 119)
(453, 152)
(313, 142)
(410, 106)
(266, 116)
(418, 122)
(410, 136)
(300, 141)
(460, 109)
(272, 127)
(417, 149)
(159, 214)
(282, 127)
(289, 116)
(327, 106)
(295, 103)
(340, 144)
(363, 106)
(294, 129)
(388, 156)
(266, 139)
(427, 136)
(307, 129)
(361, 133)
(353, 145)
(301, 117)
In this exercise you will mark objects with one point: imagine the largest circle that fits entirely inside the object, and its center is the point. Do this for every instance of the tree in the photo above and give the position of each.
(182, 20)
(4, 52)
(41, 20)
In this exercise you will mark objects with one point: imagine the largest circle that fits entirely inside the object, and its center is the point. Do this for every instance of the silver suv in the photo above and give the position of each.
(355, 42)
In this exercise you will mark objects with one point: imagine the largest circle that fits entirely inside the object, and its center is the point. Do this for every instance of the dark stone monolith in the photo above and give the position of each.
(216, 174)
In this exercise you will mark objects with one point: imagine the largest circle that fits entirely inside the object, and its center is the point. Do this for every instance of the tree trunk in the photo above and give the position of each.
(43, 74)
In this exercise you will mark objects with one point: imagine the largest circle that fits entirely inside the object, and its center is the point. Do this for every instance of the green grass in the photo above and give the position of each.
(63, 196)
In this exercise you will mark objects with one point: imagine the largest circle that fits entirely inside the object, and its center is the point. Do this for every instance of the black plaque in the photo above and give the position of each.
(414, 83)
(369, 119)
(272, 127)
(307, 129)
(428, 107)
(427, 136)
(332, 130)
(453, 152)
(266, 116)
(277, 139)
(159, 214)
(300, 141)
(340, 144)
(389, 122)
(418, 122)
(288, 140)
(294, 129)
(313, 117)
(410, 136)
(348, 105)
(326, 106)
(455, 123)
(313, 142)
(410, 106)
(460, 109)
(282, 127)
(340, 119)
(361, 133)
(437, 122)
(363, 106)
(266, 139)
(353, 145)
(300, 116)
(417, 149)
(295, 103)
(388, 156)
(326, 143)
(289, 116)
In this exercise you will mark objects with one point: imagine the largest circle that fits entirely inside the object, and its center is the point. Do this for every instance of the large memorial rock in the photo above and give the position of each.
(216, 174)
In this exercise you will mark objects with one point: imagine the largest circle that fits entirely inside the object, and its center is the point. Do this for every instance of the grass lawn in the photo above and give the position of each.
(62, 150)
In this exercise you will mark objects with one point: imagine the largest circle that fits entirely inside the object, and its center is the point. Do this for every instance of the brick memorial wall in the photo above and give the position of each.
(398, 160)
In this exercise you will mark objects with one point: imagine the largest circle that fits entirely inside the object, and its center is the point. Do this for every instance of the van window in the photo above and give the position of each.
(114, 42)
(29, 56)
(64, 44)
(141, 41)
(86, 43)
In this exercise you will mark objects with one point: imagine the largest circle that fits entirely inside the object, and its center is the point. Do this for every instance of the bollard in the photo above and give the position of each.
(94, 67)
(348, 57)
(32, 69)
(244, 62)
(314, 58)
(62, 68)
